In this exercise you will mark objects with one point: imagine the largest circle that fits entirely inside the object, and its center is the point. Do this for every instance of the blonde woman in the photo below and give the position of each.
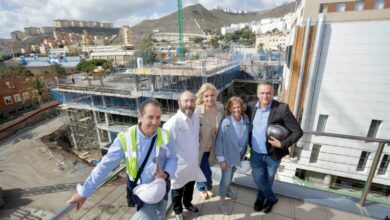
(230, 147)
(210, 113)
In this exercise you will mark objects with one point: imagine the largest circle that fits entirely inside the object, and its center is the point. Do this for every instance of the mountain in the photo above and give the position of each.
(208, 20)
(196, 19)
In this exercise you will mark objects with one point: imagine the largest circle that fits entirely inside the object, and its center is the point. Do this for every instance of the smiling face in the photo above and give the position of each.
(150, 120)
(187, 103)
(236, 110)
(209, 98)
(265, 94)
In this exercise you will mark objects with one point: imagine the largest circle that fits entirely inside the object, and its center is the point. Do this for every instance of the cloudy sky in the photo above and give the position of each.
(17, 14)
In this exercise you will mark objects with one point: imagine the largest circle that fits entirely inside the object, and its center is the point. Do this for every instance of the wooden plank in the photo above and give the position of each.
(105, 205)
(93, 201)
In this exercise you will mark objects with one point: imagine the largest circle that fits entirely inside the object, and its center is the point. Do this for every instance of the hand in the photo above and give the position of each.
(274, 142)
(223, 165)
(160, 173)
(77, 198)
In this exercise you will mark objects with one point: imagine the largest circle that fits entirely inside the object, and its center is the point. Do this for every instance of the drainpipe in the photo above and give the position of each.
(313, 71)
(302, 69)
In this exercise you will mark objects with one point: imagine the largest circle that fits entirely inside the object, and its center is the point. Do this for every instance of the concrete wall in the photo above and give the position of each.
(353, 88)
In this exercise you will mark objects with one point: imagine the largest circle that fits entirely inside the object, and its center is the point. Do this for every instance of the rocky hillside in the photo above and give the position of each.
(196, 19)
(210, 21)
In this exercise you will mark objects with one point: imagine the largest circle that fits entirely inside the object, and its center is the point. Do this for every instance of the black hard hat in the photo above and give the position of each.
(277, 131)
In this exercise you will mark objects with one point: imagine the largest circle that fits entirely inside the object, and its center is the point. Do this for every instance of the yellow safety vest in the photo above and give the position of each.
(129, 138)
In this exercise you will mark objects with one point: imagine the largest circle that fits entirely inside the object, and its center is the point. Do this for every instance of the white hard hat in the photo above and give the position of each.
(151, 193)
(245, 166)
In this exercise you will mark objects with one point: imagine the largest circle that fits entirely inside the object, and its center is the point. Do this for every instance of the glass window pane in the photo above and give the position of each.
(384, 164)
(315, 152)
(322, 119)
(363, 160)
(374, 126)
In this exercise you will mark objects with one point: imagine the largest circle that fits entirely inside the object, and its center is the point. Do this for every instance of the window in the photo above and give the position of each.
(322, 119)
(359, 5)
(323, 8)
(384, 164)
(17, 98)
(379, 4)
(8, 100)
(26, 95)
(374, 126)
(315, 152)
(362, 161)
(340, 7)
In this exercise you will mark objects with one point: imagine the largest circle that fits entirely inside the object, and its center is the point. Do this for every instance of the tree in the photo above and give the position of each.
(97, 67)
(58, 70)
(214, 41)
(147, 51)
(40, 86)
(14, 71)
(86, 66)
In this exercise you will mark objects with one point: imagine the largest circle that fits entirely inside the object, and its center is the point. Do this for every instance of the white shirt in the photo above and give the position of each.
(185, 135)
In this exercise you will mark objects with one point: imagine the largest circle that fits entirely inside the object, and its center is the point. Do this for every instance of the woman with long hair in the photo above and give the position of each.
(210, 113)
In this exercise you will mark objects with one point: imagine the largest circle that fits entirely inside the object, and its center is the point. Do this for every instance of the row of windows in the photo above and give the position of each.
(315, 152)
(17, 97)
(372, 132)
(352, 6)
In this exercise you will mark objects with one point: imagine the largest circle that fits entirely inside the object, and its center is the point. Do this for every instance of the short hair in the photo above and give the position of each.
(183, 93)
(202, 90)
(230, 103)
(264, 82)
(151, 101)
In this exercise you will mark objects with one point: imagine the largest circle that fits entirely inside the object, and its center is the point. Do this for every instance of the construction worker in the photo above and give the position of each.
(161, 163)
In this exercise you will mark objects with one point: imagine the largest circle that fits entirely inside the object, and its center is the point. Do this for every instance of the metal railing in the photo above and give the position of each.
(375, 162)
(69, 207)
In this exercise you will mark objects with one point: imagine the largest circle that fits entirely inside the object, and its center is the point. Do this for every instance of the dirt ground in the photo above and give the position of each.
(36, 174)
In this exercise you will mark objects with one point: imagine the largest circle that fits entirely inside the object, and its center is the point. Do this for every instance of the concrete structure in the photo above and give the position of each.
(348, 94)
(46, 30)
(127, 36)
(73, 23)
(18, 95)
(272, 41)
(174, 37)
(112, 106)
(16, 35)
(31, 31)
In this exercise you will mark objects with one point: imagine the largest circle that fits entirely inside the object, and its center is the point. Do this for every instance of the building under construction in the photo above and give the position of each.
(96, 113)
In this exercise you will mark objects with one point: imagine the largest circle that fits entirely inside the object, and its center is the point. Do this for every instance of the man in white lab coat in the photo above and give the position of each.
(184, 130)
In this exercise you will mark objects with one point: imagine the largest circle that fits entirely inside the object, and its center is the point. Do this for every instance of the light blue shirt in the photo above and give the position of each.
(259, 129)
(239, 128)
(167, 159)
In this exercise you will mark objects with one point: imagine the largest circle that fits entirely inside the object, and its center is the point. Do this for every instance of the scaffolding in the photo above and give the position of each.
(96, 113)
(81, 128)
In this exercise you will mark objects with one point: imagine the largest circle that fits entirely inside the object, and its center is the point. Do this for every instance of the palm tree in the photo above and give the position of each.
(40, 86)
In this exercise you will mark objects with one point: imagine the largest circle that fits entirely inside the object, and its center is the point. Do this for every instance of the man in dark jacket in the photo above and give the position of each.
(266, 154)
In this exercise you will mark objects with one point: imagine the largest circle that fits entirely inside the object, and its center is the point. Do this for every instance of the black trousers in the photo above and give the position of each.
(182, 196)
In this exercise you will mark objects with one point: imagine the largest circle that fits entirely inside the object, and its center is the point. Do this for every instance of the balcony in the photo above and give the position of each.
(36, 189)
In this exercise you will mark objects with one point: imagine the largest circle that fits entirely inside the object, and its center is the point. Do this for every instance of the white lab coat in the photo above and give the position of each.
(185, 134)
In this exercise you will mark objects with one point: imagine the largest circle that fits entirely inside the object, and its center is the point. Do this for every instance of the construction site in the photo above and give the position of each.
(96, 113)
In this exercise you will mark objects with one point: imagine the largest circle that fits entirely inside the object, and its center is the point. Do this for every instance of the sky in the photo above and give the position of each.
(17, 14)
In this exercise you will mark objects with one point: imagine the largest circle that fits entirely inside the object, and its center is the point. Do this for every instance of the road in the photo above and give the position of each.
(31, 174)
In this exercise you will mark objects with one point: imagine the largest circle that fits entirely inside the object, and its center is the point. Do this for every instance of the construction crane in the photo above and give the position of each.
(180, 22)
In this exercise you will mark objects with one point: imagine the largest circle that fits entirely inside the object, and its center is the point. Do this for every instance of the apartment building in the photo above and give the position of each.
(344, 90)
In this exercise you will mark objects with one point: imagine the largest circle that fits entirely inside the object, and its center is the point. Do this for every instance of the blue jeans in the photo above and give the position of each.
(153, 211)
(264, 169)
(205, 167)
(226, 179)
